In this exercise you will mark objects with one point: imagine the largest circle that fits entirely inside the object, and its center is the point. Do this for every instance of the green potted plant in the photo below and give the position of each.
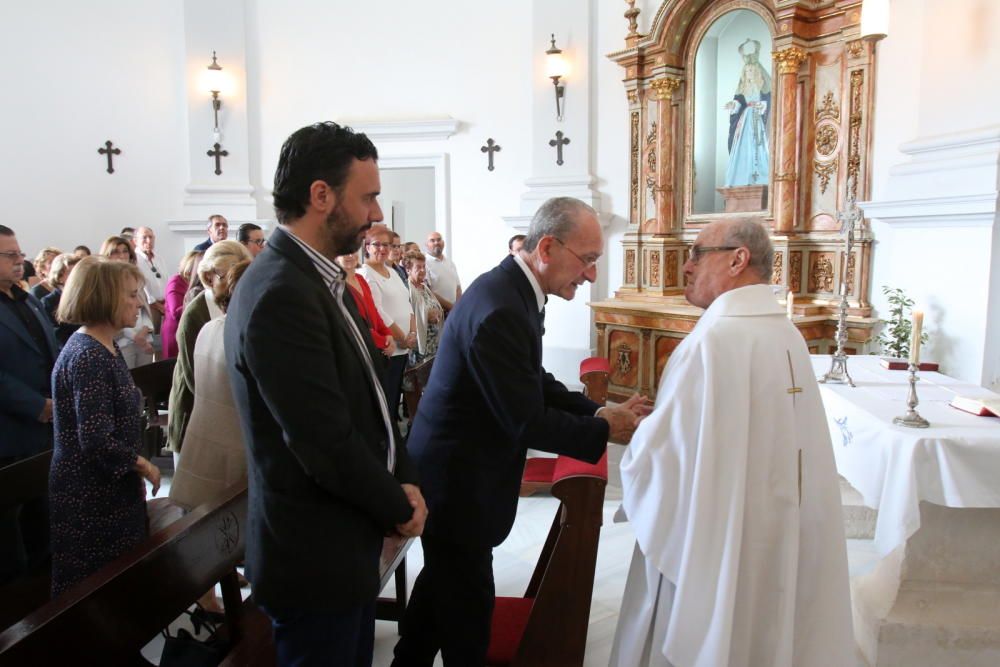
(894, 337)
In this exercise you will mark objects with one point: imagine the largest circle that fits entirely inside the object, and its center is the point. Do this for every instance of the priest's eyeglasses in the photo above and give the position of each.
(699, 251)
(587, 263)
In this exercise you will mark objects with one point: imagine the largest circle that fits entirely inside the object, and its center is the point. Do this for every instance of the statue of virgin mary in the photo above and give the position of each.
(749, 154)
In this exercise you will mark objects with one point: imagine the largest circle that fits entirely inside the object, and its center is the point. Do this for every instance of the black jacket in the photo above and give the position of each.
(489, 399)
(321, 497)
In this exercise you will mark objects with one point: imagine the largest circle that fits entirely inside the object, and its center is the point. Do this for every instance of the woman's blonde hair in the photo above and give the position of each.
(189, 265)
(223, 290)
(45, 256)
(219, 257)
(95, 292)
(59, 268)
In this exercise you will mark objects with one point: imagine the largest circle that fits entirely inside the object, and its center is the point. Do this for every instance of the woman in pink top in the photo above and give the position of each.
(176, 288)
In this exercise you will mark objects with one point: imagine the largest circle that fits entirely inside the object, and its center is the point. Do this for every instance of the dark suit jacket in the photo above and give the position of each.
(321, 498)
(204, 245)
(24, 383)
(489, 399)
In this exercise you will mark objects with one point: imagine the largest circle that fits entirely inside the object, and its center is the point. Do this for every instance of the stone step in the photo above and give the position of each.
(859, 519)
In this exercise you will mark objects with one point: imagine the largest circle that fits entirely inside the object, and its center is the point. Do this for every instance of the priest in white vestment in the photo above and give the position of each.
(731, 486)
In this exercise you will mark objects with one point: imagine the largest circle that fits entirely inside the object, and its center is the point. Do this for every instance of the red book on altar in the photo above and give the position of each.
(983, 407)
(897, 364)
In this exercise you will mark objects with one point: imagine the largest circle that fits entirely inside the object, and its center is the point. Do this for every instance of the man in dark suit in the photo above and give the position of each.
(28, 350)
(218, 230)
(328, 473)
(488, 399)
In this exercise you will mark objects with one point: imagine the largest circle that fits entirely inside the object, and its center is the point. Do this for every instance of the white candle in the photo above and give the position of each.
(791, 303)
(918, 325)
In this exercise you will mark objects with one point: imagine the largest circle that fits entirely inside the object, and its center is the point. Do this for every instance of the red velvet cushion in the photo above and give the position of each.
(510, 618)
(538, 469)
(594, 364)
(570, 467)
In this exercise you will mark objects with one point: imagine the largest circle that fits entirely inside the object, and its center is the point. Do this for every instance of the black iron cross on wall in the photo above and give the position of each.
(491, 147)
(110, 152)
(559, 142)
(218, 155)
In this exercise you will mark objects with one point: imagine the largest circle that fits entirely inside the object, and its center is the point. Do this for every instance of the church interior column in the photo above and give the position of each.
(786, 151)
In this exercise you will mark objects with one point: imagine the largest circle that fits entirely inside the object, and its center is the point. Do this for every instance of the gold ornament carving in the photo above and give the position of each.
(820, 272)
(634, 167)
(670, 269)
(630, 267)
(854, 134)
(633, 96)
(776, 268)
(654, 268)
(788, 60)
(826, 139)
(856, 48)
(828, 108)
(651, 157)
(664, 88)
(824, 171)
(795, 271)
(624, 359)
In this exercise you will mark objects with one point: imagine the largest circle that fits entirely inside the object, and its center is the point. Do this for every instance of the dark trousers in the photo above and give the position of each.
(325, 639)
(24, 536)
(450, 607)
(392, 383)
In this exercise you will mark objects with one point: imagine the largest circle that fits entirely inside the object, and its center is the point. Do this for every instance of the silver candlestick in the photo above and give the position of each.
(838, 364)
(912, 418)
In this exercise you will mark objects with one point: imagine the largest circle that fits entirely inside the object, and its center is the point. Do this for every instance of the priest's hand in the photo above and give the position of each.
(621, 423)
(639, 405)
(415, 526)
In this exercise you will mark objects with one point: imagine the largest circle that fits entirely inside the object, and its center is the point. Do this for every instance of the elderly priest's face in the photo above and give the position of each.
(714, 266)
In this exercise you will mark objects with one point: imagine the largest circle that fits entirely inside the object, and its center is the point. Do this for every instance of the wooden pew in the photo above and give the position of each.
(538, 470)
(547, 627)
(20, 482)
(119, 609)
(154, 381)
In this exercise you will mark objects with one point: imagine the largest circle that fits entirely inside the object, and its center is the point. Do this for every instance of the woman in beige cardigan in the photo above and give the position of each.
(218, 259)
(212, 457)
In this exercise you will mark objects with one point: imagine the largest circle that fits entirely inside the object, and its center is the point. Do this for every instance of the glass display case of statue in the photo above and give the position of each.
(733, 116)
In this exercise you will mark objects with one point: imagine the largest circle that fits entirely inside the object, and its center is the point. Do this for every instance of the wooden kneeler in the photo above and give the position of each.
(539, 470)
(548, 626)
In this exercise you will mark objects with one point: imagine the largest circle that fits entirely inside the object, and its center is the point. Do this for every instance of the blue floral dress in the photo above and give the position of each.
(97, 501)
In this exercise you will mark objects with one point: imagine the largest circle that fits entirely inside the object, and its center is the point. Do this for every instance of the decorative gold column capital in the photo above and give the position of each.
(664, 88)
(788, 60)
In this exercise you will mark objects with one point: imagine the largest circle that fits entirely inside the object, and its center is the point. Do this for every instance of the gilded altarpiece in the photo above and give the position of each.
(741, 108)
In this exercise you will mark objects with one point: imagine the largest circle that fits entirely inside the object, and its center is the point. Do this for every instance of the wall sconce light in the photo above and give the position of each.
(215, 82)
(555, 69)
(874, 19)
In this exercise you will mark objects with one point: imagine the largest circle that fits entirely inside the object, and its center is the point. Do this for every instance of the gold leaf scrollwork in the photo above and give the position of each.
(633, 96)
(776, 268)
(651, 157)
(856, 48)
(663, 89)
(854, 136)
(634, 166)
(828, 108)
(824, 170)
(630, 267)
(795, 271)
(654, 268)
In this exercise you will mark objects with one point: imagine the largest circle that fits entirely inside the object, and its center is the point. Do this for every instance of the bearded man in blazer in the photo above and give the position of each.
(328, 472)
(488, 399)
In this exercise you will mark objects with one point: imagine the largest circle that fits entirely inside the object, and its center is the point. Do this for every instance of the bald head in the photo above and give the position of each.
(727, 255)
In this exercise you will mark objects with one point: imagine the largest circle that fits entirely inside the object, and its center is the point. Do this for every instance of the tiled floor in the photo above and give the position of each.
(515, 559)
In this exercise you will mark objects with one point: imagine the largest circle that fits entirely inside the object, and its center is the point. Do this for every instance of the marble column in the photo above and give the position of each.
(786, 149)
(666, 210)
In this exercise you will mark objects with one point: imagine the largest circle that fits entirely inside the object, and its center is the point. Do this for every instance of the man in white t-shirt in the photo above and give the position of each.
(152, 270)
(442, 276)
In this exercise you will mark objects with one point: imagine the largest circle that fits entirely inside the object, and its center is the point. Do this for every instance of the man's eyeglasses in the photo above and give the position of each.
(258, 242)
(587, 263)
(699, 251)
(16, 256)
(377, 244)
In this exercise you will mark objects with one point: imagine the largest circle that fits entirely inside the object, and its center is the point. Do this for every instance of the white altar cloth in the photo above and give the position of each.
(955, 462)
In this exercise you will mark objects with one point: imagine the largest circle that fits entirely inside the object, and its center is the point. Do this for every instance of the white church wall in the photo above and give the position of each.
(936, 151)
(76, 75)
